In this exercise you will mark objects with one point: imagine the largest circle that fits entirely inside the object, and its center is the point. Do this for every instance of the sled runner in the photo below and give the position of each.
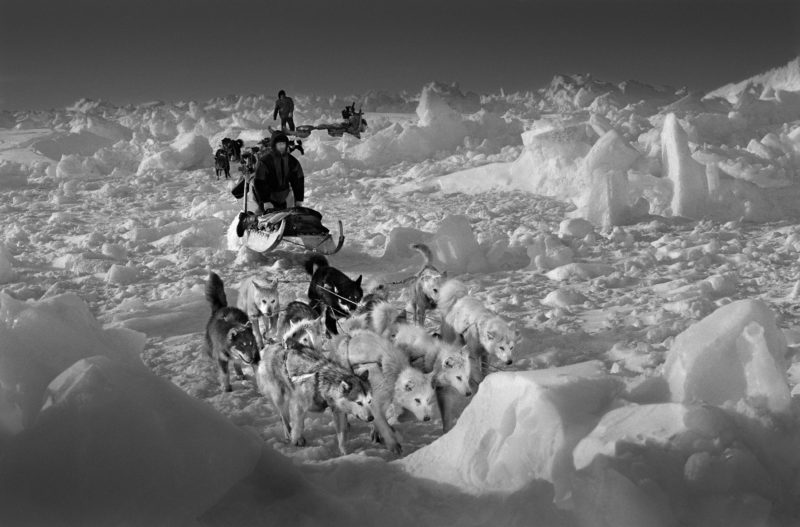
(299, 226)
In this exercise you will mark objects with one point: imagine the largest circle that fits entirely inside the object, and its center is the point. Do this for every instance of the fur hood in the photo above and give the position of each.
(280, 137)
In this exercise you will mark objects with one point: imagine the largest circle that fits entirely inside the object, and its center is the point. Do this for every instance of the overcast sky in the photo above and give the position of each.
(55, 52)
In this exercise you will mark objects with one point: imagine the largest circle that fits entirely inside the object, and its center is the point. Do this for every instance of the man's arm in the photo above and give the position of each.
(238, 190)
(298, 184)
(275, 113)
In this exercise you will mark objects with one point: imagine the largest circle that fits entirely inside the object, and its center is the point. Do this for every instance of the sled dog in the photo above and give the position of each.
(331, 292)
(262, 304)
(424, 290)
(465, 319)
(229, 335)
(396, 385)
(300, 379)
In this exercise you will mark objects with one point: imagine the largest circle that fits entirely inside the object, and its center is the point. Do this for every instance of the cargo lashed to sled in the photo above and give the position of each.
(299, 222)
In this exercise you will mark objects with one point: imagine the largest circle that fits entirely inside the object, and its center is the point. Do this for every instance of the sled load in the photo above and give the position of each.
(301, 226)
(353, 123)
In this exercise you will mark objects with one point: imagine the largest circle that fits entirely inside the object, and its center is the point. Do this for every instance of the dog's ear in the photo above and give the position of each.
(274, 284)
(358, 280)
(444, 275)
(517, 332)
(345, 386)
(364, 375)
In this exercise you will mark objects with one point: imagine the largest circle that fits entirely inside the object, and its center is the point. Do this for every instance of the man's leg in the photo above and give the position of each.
(290, 120)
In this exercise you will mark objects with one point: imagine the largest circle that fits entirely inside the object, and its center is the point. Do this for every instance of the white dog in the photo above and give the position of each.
(465, 319)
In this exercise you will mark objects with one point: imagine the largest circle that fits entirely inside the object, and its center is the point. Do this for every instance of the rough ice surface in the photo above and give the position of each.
(13, 175)
(519, 427)
(689, 182)
(782, 78)
(114, 444)
(40, 339)
(188, 151)
(563, 298)
(737, 353)
(674, 463)
(122, 274)
(455, 246)
(579, 270)
(7, 273)
(491, 183)
(658, 425)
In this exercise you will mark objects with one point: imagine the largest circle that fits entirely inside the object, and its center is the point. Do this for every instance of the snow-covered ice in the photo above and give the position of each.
(643, 239)
(736, 353)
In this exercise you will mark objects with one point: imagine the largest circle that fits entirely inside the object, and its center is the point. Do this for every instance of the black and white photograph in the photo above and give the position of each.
(392, 263)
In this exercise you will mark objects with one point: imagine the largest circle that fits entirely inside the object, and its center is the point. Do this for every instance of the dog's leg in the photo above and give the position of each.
(285, 420)
(330, 322)
(273, 323)
(421, 320)
(479, 370)
(297, 421)
(238, 369)
(341, 426)
(484, 369)
(224, 377)
(374, 436)
(384, 431)
(279, 401)
(447, 399)
(255, 322)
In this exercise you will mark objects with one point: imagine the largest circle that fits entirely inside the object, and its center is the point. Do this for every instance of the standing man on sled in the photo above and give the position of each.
(285, 107)
(277, 173)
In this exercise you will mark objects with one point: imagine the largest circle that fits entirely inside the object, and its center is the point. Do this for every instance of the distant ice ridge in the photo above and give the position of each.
(785, 78)
(620, 159)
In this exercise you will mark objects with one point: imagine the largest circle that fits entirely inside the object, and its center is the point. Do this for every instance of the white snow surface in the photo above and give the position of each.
(655, 377)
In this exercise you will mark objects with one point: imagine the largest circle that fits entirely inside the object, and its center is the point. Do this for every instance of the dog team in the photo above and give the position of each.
(358, 354)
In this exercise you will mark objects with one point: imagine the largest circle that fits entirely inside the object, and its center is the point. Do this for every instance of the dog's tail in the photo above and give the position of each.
(215, 292)
(425, 251)
(316, 261)
(384, 315)
(449, 294)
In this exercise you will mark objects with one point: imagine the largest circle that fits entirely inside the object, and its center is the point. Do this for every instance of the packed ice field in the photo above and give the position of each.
(644, 240)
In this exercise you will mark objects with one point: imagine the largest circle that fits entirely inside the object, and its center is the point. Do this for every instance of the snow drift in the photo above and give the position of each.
(114, 444)
(520, 427)
(735, 354)
(187, 152)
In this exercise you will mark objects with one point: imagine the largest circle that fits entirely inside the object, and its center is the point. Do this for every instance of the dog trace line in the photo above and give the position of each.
(426, 316)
